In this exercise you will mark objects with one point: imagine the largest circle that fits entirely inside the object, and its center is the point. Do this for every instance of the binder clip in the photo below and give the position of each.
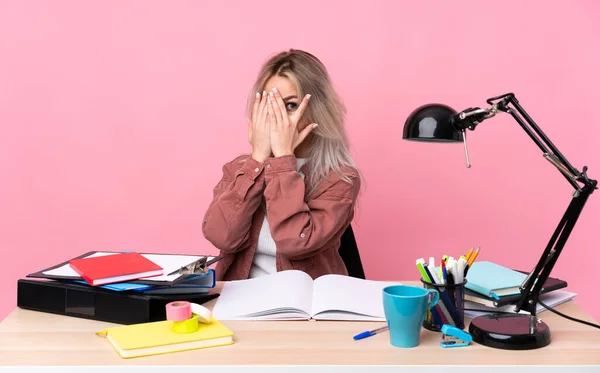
(454, 337)
(197, 267)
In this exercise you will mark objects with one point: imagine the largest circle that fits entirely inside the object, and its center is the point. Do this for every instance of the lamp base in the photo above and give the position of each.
(510, 331)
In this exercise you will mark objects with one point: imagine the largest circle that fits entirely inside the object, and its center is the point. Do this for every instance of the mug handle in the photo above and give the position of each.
(434, 300)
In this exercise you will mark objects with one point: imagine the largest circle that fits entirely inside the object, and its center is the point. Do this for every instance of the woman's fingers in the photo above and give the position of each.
(301, 108)
(262, 108)
(275, 107)
(305, 132)
(279, 107)
(274, 122)
(255, 108)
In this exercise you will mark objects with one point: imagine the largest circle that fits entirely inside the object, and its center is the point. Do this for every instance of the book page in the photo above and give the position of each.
(168, 262)
(281, 295)
(337, 297)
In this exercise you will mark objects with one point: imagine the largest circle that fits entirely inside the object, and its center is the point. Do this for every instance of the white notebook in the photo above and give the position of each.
(293, 295)
(551, 299)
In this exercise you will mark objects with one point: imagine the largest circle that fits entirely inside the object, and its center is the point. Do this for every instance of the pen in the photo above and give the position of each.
(420, 263)
(449, 277)
(433, 274)
(452, 278)
(457, 275)
(461, 269)
(434, 280)
(429, 274)
(452, 315)
(370, 333)
(444, 274)
(447, 304)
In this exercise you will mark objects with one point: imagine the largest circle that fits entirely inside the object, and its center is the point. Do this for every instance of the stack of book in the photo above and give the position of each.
(492, 288)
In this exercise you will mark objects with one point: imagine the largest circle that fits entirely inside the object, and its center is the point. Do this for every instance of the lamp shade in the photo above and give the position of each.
(432, 123)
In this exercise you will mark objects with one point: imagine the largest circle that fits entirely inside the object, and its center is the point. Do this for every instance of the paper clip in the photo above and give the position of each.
(454, 337)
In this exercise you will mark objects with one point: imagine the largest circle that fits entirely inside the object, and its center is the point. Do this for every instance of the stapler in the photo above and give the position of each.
(454, 337)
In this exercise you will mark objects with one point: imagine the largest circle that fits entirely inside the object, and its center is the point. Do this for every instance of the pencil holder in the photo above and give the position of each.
(450, 308)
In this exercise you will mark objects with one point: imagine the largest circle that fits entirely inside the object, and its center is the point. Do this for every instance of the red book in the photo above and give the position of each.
(107, 269)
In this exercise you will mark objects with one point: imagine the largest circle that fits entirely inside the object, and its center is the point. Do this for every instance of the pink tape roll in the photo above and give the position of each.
(179, 311)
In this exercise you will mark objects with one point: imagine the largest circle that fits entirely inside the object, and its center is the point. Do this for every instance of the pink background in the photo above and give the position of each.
(116, 116)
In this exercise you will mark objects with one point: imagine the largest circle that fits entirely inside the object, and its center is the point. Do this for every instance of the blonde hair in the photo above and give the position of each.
(329, 147)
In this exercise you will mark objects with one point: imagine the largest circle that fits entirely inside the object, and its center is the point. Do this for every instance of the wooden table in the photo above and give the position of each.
(35, 338)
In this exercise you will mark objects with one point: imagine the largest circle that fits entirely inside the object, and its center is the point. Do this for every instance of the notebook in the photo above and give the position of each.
(194, 284)
(158, 338)
(293, 295)
(491, 279)
(109, 269)
(553, 299)
(191, 284)
(551, 284)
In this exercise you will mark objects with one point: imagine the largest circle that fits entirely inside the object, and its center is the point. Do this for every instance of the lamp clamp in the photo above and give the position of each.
(471, 117)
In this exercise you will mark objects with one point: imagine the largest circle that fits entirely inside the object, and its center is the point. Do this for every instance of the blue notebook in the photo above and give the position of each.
(120, 286)
(192, 284)
(493, 280)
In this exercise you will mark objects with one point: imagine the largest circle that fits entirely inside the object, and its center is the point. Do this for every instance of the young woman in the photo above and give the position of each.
(286, 205)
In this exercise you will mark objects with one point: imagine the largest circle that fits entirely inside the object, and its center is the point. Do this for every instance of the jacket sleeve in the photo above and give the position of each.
(236, 198)
(300, 229)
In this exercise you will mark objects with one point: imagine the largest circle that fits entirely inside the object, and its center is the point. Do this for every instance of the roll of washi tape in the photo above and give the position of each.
(186, 326)
(203, 313)
(179, 311)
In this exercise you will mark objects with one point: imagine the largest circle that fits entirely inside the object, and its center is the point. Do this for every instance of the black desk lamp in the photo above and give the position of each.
(440, 123)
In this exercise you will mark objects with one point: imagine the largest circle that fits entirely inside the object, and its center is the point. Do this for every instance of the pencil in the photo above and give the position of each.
(469, 254)
(473, 257)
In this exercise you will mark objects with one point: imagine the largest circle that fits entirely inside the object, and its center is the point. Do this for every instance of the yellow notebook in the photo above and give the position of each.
(158, 338)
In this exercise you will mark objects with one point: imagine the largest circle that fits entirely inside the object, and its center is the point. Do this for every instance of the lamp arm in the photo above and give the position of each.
(535, 280)
(550, 151)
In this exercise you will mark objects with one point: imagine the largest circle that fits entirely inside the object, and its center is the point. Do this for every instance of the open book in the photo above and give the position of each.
(293, 295)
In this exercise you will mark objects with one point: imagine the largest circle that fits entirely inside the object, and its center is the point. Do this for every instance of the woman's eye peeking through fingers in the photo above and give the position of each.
(291, 106)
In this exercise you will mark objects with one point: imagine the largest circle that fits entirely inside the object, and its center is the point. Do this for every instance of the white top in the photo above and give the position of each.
(264, 258)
